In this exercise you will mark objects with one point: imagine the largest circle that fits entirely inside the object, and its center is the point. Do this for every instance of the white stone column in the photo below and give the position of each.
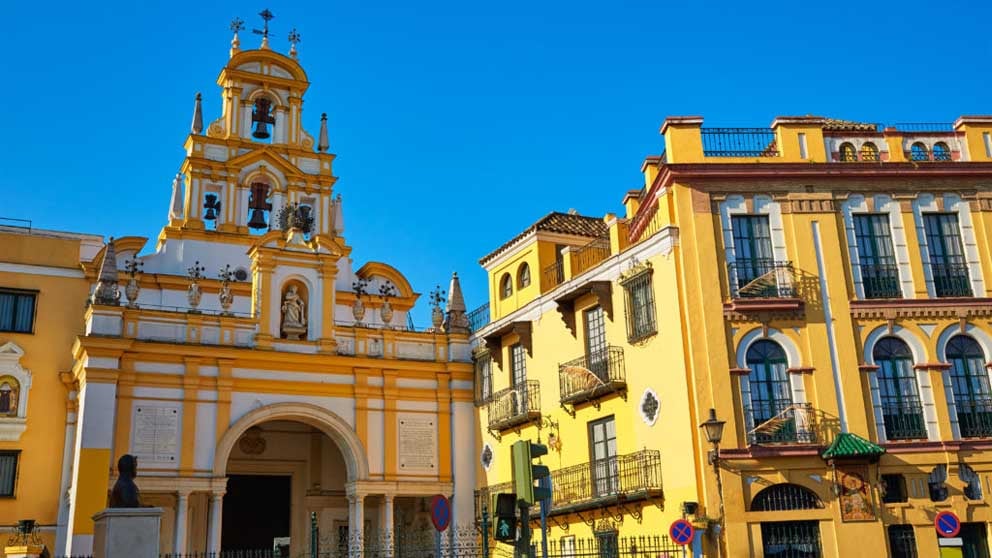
(213, 531)
(387, 525)
(182, 514)
(356, 524)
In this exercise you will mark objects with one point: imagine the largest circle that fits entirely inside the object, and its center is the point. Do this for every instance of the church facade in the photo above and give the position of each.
(260, 376)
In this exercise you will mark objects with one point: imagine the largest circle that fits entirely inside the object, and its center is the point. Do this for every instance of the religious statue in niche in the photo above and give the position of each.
(9, 390)
(294, 319)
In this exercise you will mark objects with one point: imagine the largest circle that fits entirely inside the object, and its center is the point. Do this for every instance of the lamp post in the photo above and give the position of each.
(713, 429)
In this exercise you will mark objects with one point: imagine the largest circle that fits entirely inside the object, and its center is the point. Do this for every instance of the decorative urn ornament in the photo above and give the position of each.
(358, 310)
(386, 291)
(437, 313)
(226, 296)
(193, 293)
(133, 268)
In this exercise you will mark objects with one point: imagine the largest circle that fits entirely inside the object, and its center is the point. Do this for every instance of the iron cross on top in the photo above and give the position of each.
(266, 16)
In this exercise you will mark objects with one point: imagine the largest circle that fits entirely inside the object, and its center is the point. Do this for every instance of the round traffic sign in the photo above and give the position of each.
(681, 531)
(440, 512)
(947, 524)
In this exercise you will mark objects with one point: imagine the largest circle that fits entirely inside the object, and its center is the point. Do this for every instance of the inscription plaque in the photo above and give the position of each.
(418, 444)
(156, 431)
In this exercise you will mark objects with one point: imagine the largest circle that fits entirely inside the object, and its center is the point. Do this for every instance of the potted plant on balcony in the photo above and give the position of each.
(386, 291)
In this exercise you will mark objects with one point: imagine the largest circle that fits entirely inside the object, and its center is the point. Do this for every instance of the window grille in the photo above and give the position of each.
(791, 539)
(639, 302)
(902, 541)
(970, 386)
(869, 152)
(919, 152)
(17, 311)
(847, 153)
(784, 497)
(8, 472)
(523, 276)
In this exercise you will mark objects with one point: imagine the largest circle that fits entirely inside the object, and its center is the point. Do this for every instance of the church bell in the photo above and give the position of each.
(212, 205)
(257, 220)
(258, 205)
(261, 117)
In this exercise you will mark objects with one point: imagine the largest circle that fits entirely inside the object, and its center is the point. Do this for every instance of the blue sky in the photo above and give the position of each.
(456, 124)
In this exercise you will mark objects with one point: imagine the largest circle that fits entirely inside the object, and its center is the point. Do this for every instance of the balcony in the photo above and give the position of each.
(904, 420)
(761, 278)
(514, 406)
(592, 376)
(590, 254)
(880, 280)
(738, 142)
(777, 423)
(975, 417)
(950, 279)
(553, 275)
(478, 318)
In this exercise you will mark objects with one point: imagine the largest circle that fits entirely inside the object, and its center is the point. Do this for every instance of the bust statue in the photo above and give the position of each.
(125, 492)
(293, 314)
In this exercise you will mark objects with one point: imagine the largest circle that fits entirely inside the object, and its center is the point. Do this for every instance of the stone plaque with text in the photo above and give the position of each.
(417, 439)
(155, 433)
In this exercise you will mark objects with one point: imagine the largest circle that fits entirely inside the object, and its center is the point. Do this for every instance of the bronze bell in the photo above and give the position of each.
(261, 116)
(212, 205)
(257, 219)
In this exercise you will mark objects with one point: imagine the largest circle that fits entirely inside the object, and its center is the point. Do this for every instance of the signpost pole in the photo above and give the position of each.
(545, 482)
(524, 542)
(485, 531)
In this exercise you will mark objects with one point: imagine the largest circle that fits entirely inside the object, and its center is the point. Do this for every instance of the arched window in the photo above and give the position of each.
(505, 286)
(785, 497)
(970, 384)
(941, 152)
(789, 538)
(848, 153)
(769, 394)
(869, 152)
(900, 397)
(918, 152)
(523, 276)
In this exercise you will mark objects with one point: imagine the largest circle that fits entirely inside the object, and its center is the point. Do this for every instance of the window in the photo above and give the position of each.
(941, 152)
(768, 393)
(902, 541)
(523, 276)
(784, 497)
(518, 366)
(975, 538)
(639, 301)
(970, 384)
(17, 310)
(847, 153)
(894, 489)
(597, 355)
(483, 379)
(869, 152)
(606, 541)
(568, 546)
(918, 152)
(505, 286)
(603, 456)
(8, 472)
(947, 263)
(752, 252)
(901, 409)
(877, 262)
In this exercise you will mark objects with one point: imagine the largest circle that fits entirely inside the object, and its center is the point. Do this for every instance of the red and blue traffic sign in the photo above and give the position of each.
(440, 512)
(947, 524)
(681, 531)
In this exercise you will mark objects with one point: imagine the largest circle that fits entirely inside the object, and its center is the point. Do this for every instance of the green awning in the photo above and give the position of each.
(847, 445)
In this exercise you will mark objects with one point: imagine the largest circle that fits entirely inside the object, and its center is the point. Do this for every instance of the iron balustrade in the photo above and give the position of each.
(950, 279)
(479, 318)
(941, 155)
(925, 126)
(515, 405)
(611, 545)
(880, 280)
(776, 422)
(975, 417)
(761, 278)
(904, 420)
(593, 375)
(739, 142)
(589, 255)
(553, 275)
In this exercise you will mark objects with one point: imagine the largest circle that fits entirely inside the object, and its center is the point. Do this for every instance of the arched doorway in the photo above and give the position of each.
(788, 539)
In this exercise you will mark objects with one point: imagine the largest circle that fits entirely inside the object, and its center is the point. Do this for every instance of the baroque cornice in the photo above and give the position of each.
(931, 308)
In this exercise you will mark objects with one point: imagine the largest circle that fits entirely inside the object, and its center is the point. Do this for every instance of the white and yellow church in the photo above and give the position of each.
(255, 370)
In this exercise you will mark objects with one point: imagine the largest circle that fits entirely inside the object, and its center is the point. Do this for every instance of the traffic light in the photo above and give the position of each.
(505, 526)
(525, 472)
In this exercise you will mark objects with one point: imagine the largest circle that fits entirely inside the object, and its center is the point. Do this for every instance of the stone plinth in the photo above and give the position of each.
(23, 551)
(127, 533)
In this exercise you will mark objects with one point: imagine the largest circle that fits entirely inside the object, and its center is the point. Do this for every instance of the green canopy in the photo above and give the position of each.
(847, 445)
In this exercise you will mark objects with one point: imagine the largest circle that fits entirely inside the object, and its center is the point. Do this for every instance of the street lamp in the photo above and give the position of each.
(713, 429)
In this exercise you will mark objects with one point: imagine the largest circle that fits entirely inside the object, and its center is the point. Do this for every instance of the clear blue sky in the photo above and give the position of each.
(456, 123)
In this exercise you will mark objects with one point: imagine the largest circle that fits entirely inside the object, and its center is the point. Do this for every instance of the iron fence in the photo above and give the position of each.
(479, 318)
(589, 255)
(777, 422)
(975, 417)
(553, 275)
(950, 279)
(592, 375)
(904, 420)
(239, 553)
(761, 278)
(515, 405)
(407, 543)
(880, 280)
(925, 126)
(739, 142)
(610, 545)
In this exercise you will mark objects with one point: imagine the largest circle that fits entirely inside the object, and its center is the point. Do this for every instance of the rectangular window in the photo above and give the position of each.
(597, 357)
(518, 366)
(8, 473)
(947, 262)
(17, 310)
(639, 301)
(483, 379)
(902, 541)
(877, 261)
(752, 254)
(603, 456)
(894, 487)
(803, 149)
(568, 546)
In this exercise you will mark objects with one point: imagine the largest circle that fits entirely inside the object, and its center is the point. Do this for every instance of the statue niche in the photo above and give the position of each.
(294, 311)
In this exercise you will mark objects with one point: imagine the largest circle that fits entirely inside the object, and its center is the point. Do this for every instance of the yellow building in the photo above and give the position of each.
(822, 285)
(262, 378)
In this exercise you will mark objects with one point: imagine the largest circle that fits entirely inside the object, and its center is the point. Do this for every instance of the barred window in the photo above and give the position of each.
(8, 472)
(17, 310)
(483, 379)
(640, 307)
(902, 541)
(869, 152)
(847, 153)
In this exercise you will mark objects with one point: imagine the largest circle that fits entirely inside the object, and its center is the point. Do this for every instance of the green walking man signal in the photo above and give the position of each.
(505, 526)
(525, 472)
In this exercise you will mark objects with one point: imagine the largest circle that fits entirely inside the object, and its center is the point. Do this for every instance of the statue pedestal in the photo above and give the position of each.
(293, 332)
(23, 551)
(127, 533)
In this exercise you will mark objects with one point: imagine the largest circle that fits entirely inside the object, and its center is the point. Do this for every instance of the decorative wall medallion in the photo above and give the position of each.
(252, 442)
(649, 406)
(487, 457)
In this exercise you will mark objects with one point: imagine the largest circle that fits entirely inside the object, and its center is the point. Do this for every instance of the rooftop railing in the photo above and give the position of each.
(592, 375)
(924, 126)
(478, 318)
(739, 142)
(553, 275)
(591, 254)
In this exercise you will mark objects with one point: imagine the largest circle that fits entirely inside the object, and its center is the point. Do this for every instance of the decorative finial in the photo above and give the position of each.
(322, 143)
(176, 210)
(237, 24)
(264, 31)
(456, 321)
(197, 126)
(106, 291)
(294, 38)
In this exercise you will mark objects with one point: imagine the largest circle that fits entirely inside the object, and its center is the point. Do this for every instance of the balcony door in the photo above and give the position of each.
(603, 456)
(772, 416)
(596, 353)
(518, 380)
(902, 411)
(752, 250)
(947, 262)
(970, 382)
(877, 262)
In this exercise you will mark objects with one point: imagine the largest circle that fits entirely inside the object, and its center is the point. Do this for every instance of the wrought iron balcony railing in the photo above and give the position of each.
(761, 278)
(553, 275)
(739, 142)
(591, 376)
(515, 405)
(975, 417)
(880, 280)
(904, 420)
(589, 255)
(479, 318)
(950, 279)
(781, 422)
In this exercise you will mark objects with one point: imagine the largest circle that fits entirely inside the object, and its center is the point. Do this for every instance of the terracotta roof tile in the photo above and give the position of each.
(561, 223)
(837, 124)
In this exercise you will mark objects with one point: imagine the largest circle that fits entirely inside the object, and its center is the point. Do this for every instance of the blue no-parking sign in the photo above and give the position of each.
(440, 512)
(681, 531)
(947, 524)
